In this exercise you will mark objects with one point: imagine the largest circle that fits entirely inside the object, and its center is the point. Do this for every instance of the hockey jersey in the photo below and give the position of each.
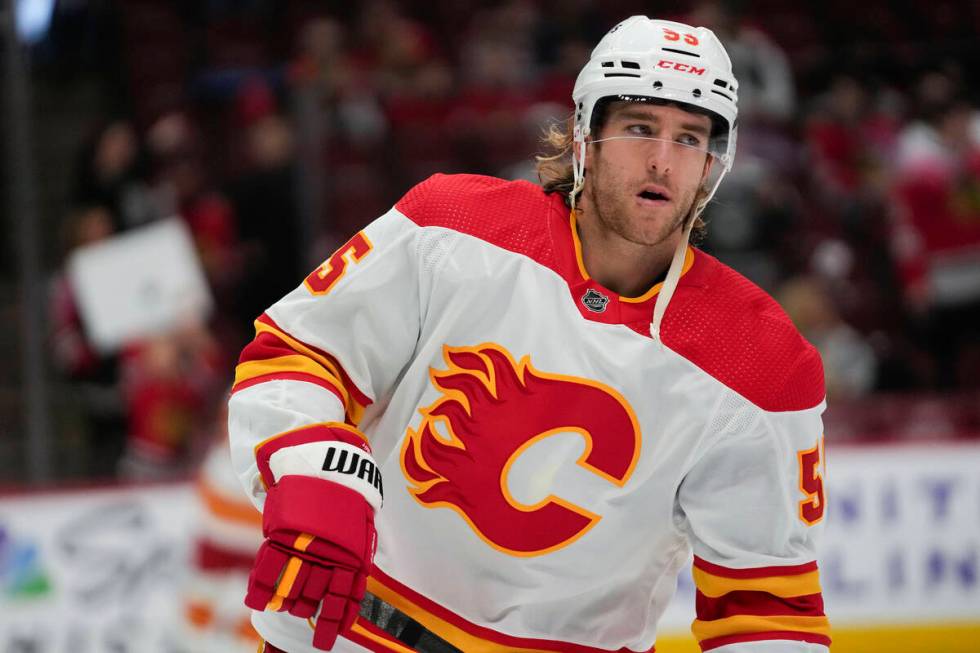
(227, 536)
(549, 467)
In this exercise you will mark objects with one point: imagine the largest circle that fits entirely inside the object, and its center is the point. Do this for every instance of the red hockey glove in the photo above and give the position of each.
(320, 541)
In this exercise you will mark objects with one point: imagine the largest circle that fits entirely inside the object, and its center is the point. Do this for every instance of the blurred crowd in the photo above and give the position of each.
(276, 129)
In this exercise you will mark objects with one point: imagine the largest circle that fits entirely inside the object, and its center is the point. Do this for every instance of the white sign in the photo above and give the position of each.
(901, 543)
(141, 283)
(94, 572)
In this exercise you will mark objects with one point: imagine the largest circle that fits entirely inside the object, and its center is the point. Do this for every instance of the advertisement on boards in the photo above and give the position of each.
(94, 571)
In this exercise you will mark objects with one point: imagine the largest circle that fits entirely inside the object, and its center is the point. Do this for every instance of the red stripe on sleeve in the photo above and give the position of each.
(718, 642)
(355, 392)
(760, 604)
(754, 572)
(264, 347)
(289, 376)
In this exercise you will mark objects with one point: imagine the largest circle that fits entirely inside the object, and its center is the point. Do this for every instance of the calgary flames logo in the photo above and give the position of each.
(491, 411)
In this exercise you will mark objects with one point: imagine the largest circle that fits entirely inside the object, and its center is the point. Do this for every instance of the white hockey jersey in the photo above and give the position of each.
(227, 536)
(548, 467)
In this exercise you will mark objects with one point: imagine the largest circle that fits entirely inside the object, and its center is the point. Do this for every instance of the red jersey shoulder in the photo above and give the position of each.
(737, 333)
(509, 214)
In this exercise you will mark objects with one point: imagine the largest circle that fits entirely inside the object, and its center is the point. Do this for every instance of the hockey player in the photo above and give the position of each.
(562, 397)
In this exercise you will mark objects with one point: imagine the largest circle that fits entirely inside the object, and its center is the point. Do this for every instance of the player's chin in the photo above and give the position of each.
(650, 231)
(655, 214)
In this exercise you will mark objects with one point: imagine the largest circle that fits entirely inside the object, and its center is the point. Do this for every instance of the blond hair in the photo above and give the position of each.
(554, 168)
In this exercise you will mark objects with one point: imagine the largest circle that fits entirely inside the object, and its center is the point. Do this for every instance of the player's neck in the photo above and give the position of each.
(624, 267)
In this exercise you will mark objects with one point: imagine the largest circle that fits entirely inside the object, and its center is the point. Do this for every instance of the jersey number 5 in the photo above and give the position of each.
(325, 277)
(811, 484)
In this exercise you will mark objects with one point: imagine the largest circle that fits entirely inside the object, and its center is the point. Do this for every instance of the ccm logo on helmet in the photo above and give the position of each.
(682, 67)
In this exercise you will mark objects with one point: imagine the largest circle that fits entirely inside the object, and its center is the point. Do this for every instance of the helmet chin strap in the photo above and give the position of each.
(670, 282)
(677, 264)
(578, 165)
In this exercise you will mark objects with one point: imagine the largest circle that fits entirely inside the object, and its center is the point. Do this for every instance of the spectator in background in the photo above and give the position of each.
(936, 226)
(143, 405)
(564, 35)
(322, 60)
(171, 383)
(557, 77)
(766, 93)
(756, 218)
(340, 82)
(263, 197)
(111, 172)
(849, 145)
(417, 114)
(183, 187)
(944, 126)
(338, 108)
(850, 135)
(94, 375)
(497, 65)
(395, 45)
(848, 360)
(756, 214)
(318, 68)
(767, 149)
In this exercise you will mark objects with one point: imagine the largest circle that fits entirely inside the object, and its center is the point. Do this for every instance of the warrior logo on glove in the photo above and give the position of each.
(337, 460)
(494, 409)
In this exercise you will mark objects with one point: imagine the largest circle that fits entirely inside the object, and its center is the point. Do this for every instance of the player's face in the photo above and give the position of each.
(643, 181)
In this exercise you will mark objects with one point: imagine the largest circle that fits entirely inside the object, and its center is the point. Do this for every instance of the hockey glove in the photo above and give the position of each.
(320, 537)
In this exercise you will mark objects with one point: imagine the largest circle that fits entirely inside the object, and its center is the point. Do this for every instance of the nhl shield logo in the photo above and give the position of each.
(594, 301)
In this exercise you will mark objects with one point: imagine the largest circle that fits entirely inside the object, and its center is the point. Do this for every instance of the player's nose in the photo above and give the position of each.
(660, 155)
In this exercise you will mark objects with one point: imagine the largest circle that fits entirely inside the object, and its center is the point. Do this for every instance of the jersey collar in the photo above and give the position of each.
(594, 301)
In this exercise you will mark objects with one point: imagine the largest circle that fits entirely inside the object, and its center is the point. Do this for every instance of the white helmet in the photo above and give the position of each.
(659, 59)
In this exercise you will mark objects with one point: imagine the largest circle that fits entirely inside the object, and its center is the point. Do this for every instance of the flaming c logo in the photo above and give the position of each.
(491, 411)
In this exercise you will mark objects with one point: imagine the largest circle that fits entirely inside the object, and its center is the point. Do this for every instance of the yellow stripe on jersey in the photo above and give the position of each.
(688, 262)
(580, 261)
(387, 643)
(744, 624)
(447, 631)
(290, 363)
(782, 586)
(354, 408)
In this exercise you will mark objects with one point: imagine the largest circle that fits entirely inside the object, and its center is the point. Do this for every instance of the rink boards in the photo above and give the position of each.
(105, 569)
